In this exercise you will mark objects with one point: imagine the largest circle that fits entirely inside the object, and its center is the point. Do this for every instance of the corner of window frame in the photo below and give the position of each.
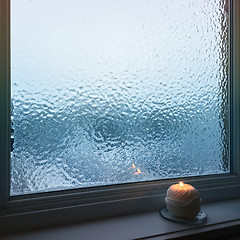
(106, 201)
(4, 101)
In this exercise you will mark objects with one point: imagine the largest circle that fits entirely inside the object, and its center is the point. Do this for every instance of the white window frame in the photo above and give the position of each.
(67, 206)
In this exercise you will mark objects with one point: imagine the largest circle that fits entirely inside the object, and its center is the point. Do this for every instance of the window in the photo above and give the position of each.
(130, 91)
(140, 195)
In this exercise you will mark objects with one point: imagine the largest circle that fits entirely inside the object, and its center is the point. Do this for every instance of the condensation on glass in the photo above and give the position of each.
(109, 91)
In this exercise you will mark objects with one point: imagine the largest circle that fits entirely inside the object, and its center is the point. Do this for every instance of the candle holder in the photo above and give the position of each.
(200, 218)
(183, 205)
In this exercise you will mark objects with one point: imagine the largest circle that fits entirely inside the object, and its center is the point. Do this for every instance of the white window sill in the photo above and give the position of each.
(223, 219)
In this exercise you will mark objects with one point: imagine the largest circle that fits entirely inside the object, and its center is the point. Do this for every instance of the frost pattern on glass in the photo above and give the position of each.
(109, 91)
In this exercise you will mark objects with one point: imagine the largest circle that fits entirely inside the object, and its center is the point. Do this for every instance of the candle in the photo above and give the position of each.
(183, 200)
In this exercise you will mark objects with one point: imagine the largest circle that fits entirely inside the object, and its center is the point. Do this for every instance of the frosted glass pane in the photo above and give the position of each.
(100, 85)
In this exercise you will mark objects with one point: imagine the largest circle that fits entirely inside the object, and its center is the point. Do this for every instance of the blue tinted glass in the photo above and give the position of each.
(109, 91)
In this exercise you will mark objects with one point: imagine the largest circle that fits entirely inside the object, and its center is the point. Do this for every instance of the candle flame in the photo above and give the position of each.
(181, 184)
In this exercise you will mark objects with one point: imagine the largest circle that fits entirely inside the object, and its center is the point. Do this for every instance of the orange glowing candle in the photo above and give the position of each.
(183, 200)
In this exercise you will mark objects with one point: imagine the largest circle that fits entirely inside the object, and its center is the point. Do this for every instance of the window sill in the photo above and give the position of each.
(221, 216)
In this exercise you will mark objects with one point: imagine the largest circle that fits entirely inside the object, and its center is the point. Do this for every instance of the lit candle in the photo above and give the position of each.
(183, 200)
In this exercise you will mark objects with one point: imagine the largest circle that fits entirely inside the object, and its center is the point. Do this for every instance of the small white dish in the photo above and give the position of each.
(200, 218)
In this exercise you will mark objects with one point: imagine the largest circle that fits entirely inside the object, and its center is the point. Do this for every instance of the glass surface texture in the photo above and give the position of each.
(100, 85)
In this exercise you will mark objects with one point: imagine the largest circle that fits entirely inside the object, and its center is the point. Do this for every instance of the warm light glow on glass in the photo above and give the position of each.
(138, 171)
